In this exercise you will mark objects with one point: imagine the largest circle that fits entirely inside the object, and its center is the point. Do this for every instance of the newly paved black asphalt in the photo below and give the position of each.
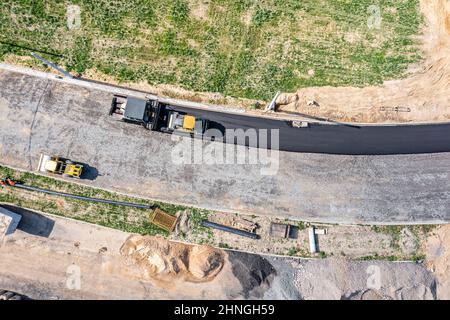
(336, 138)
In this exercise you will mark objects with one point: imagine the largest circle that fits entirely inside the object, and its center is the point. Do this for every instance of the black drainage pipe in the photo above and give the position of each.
(242, 233)
(68, 195)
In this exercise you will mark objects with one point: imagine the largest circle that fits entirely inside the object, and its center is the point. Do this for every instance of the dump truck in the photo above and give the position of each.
(157, 116)
(59, 165)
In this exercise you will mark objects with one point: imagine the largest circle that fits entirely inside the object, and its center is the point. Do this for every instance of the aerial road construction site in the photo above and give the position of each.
(192, 187)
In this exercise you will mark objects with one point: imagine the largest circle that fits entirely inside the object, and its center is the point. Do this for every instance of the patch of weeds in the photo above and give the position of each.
(205, 241)
(376, 229)
(292, 251)
(179, 11)
(256, 106)
(427, 228)
(171, 44)
(392, 258)
(79, 57)
(224, 245)
(197, 216)
(370, 257)
(418, 257)
(302, 225)
(393, 231)
(263, 15)
(378, 257)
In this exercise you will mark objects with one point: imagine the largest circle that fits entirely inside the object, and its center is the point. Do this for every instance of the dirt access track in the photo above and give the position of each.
(422, 97)
(42, 115)
(50, 257)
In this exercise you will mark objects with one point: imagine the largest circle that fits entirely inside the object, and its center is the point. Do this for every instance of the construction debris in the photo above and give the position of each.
(272, 105)
(312, 103)
(163, 220)
(241, 223)
(222, 227)
(281, 230)
(8, 222)
(321, 231)
(183, 224)
(300, 124)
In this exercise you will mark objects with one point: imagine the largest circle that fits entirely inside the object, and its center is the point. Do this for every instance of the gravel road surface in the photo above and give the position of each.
(39, 115)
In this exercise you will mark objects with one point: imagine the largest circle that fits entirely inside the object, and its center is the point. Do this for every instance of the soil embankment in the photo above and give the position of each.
(422, 97)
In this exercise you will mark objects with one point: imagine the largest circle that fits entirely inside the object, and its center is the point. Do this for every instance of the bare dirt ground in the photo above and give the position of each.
(423, 97)
(41, 258)
(438, 259)
(160, 259)
(351, 241)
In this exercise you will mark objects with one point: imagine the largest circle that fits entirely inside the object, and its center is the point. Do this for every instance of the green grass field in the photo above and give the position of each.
(240, 48)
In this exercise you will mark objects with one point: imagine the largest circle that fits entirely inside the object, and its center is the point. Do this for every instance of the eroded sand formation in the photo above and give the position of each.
(422, 97)
(157, 258)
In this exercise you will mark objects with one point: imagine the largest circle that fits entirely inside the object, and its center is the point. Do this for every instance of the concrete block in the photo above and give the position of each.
(8, 222)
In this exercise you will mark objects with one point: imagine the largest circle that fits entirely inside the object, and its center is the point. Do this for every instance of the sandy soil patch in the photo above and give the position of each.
(438, 259)
(170, 261)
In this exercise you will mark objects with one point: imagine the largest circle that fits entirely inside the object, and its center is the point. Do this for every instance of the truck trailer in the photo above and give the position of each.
(157, 116)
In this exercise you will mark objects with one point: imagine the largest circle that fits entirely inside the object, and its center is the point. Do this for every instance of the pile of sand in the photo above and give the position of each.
(438, 259)
(424, 96)
(158, 258)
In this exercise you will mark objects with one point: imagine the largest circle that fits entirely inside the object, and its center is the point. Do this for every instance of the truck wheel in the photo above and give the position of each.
(113, 106)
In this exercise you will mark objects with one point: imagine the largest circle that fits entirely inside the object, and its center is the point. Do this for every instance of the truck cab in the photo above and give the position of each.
(136, 110)
(157, 116)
